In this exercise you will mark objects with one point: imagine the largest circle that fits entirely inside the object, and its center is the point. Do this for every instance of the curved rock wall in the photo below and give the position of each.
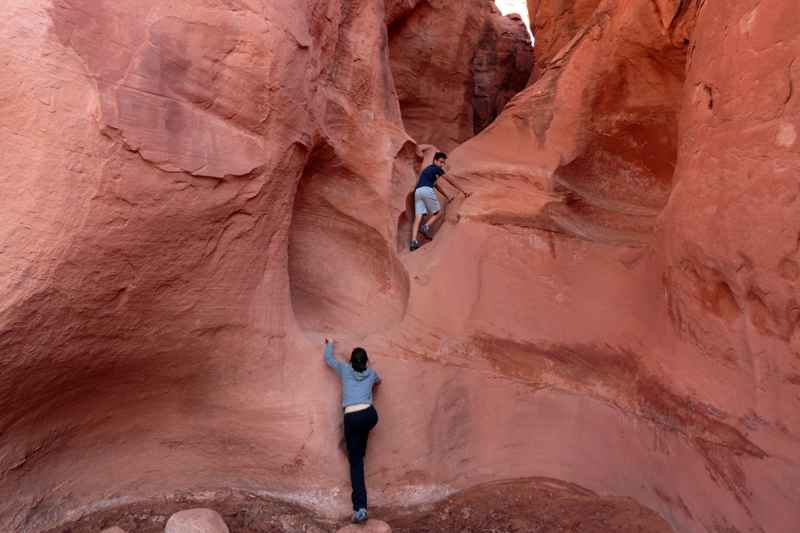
(730, 236)
(456, 65)
(163, 238)
(636, 138)
(198, 192)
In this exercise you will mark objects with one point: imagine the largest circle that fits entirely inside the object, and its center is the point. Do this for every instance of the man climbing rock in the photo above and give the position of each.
(425, 200)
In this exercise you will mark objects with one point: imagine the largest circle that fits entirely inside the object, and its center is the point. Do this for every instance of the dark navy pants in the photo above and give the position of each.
(356, 432)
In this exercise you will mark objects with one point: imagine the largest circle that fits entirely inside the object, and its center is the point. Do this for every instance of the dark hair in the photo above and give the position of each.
(439, 155)
(358, 359)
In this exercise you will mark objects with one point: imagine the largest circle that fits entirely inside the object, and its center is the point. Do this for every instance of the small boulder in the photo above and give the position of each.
(370, 526)
(115, 529)
(196, 521)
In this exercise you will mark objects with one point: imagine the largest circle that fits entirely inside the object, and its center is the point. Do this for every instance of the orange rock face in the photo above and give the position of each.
(455, 65)
(173, 200)
(638, 149)
(196, 193)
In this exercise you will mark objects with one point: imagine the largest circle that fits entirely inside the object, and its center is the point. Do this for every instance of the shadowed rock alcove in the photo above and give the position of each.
(343, 272)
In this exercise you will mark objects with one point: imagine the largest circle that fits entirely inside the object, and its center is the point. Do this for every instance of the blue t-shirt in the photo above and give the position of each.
(429, 176)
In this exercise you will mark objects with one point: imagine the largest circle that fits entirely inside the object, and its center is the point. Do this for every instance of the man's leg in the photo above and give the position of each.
(433, 218)
(432, 205)
(415, 226)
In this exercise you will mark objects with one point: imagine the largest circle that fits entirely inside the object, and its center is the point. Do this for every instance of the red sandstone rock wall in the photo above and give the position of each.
(177, 184)
(555, 24)
(601, 120)
(456, 65)
(731, 224)
(730, 237)
(665, 131)
(501, 67)
(197, 193)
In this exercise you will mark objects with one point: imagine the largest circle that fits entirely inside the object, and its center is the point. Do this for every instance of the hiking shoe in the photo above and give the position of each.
(360, 516)
(425, 230)
(414, 245)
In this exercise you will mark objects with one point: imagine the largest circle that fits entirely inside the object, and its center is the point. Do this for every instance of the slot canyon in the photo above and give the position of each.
(602, 335)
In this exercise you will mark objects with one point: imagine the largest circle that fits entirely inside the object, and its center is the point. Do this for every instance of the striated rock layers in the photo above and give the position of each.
(187, 186)
(197, 192)
(650, 173)
(456, 64)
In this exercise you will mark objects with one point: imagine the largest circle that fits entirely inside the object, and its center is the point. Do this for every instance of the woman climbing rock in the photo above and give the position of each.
(360, 417)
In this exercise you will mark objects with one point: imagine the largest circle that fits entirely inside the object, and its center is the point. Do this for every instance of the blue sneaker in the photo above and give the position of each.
(360, 516)
(414, 245)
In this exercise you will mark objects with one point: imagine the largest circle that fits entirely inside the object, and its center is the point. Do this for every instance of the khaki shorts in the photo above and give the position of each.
(425, 201)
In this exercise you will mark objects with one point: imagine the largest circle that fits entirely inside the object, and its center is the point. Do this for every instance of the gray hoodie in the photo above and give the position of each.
(356, 386)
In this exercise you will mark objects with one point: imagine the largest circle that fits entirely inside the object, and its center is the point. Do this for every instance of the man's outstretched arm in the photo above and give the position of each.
(462, 191)
(441, 191)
